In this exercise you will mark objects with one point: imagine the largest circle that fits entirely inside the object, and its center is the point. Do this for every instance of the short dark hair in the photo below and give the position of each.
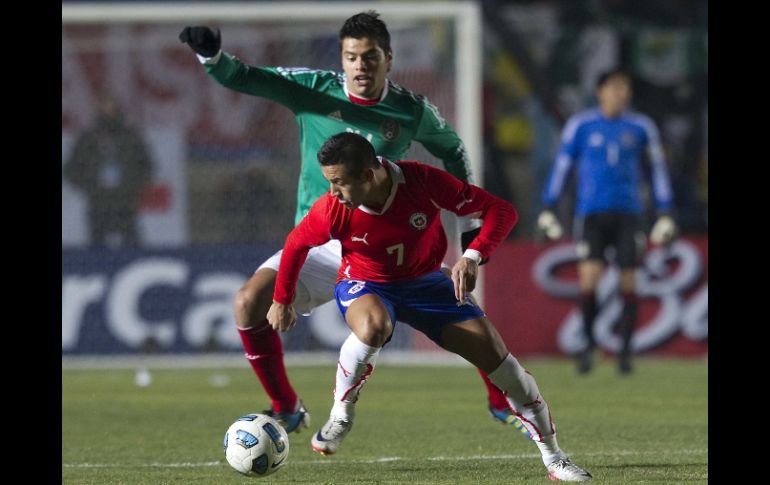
(348, 149)
(366, 24)
(607, 75)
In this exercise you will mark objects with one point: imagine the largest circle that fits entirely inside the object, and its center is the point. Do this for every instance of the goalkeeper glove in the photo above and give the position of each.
(663, 231)
(548, 224)
(202, 40)
(467, 238)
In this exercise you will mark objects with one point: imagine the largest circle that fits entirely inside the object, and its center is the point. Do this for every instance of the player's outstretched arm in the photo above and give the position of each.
(202, 40)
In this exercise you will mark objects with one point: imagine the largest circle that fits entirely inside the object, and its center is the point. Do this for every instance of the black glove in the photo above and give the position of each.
(467, 238)
(202, 40)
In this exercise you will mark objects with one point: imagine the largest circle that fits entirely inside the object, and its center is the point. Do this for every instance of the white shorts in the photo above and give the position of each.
(317, 278)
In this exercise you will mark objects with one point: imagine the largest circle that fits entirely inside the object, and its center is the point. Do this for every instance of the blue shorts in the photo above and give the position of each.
(426, 303)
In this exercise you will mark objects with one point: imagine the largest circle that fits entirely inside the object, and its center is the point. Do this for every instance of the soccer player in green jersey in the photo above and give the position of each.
(362, 100)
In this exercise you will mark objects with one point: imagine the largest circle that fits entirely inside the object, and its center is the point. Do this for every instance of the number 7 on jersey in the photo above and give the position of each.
(399, 249)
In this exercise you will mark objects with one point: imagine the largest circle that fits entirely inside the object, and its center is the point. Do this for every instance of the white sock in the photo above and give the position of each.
(524, 396)
(356, 364)
(549, 450)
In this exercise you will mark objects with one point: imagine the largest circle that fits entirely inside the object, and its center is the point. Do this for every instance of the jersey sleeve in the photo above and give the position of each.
(435, 134)
(568, 153)
(464, 199)
(661, 184)
(279, 84)
(314, 230)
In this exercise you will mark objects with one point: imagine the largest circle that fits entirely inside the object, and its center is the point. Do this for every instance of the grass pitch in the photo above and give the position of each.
(414, 425)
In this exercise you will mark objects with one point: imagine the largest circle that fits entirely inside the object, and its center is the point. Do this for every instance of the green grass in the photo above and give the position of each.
(413, 425)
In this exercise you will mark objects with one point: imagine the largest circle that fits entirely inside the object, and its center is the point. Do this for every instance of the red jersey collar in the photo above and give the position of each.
(365, 102)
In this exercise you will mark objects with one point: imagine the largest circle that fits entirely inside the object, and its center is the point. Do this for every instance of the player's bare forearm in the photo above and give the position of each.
(281, 316)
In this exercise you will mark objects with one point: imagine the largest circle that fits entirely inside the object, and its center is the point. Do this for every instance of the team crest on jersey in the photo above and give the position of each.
(418, 220)
(389, 129)
(627, 139)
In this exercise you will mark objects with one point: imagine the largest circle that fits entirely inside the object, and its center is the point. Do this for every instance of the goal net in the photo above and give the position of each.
(217, 193)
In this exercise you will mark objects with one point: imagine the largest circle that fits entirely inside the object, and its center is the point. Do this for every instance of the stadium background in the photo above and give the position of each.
(223, 190)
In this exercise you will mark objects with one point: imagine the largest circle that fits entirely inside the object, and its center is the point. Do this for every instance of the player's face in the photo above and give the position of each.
(614, 95)
(349, 191)
(366, 66)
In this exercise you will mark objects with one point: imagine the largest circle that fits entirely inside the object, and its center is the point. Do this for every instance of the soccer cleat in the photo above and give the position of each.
(291, 421)
(328, 439)
(505, 416)
(566, 471)
(624, 365)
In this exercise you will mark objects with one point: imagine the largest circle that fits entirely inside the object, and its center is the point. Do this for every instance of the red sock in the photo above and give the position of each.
(264, 352)
(496, 397)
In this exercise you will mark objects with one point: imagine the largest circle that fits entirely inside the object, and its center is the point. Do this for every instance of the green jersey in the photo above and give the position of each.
(322, 108)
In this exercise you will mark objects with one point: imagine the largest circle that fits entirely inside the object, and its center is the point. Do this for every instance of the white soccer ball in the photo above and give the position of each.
(256, 445)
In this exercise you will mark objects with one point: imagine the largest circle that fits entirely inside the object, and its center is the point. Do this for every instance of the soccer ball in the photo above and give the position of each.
(256, 445)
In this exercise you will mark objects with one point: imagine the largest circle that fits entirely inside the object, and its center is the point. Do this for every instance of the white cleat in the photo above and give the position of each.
(328, 439)
(566, 471)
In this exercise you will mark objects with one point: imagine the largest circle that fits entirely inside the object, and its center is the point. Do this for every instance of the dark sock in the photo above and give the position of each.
(627, 323)
(590, 308)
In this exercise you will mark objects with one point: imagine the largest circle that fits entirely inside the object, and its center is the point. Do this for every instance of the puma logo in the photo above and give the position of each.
(465, 201)
(360, 239)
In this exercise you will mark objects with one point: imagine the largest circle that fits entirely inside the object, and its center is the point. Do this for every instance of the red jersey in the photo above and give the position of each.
(403, 240)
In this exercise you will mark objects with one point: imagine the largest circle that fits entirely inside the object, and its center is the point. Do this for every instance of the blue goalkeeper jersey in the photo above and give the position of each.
(608, 154)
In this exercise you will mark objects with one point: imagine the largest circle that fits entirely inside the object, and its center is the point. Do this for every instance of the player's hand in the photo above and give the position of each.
(202, 40)
(548, 224)
(464, 274)
(467, 238)
(281, 317)
(664, 230)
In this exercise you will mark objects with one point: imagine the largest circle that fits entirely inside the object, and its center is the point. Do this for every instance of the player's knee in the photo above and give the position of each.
(374, 330)
(248, 313)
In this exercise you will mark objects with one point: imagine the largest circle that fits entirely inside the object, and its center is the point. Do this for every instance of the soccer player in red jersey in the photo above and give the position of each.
(386, 217)
(360, 99)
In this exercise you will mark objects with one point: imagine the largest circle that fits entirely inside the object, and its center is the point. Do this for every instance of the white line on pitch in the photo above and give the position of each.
(387, 459)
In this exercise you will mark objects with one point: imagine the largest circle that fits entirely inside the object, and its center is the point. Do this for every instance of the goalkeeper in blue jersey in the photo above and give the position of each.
(606, 146)
(362, 100)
